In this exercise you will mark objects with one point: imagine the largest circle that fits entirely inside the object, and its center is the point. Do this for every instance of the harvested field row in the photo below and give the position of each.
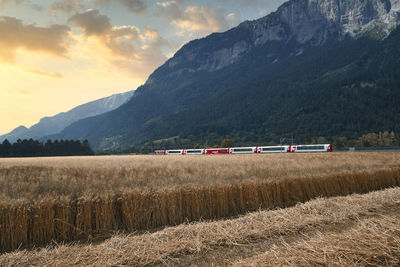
(36, 178)
(37, 223)
(355, 230)
(372, 242)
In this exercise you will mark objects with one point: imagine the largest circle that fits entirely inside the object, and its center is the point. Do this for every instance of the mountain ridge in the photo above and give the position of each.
(316, 25)
(215, 87)
(55, 124)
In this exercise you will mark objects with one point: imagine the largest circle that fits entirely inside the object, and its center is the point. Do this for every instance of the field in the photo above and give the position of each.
(107, 203)
(358, 230)
(38, 178)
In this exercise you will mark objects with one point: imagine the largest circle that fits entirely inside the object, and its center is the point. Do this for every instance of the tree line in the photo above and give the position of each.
(34, 148)
(381, 139)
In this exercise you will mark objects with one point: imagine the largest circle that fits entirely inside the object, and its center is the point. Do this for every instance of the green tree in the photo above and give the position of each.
(307, 139)
(226, 143)
(5, 149)
(339, 142)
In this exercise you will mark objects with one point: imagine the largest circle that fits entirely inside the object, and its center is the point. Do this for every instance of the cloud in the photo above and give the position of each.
(66, 6)
(15, 35)
(135, 6)
(43, 73)
(6, 2)
(23, 91)
(92, 22)
(197, 19)
(18, 91)
(127, 47)
(28, 3)
(258, 8)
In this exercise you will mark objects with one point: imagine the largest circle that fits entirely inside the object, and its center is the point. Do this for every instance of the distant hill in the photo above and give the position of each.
(55, 124)
(15, 134)
(312, 68)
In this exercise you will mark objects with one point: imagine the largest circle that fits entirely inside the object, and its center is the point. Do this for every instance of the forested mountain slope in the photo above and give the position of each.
(314, 67)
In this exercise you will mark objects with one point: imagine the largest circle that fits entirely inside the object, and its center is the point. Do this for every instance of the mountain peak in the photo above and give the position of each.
(20, 129)
(307, 22)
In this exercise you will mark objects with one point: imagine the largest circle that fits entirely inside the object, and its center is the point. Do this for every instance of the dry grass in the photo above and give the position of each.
(35, 178)
(358, 230)
(373, 242)
(66, 219)
(67, 199)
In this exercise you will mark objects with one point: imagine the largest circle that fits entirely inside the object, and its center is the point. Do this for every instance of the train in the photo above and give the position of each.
(249, 150)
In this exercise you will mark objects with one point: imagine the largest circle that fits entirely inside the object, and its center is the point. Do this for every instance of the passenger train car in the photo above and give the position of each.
(311, 148)
(273, 149)
(249, 150)
(194, 151)
(243, 150)
(175, 152)
(211, 151)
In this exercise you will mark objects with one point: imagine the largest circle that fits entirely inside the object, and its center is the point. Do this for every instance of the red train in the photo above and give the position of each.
(249, 150)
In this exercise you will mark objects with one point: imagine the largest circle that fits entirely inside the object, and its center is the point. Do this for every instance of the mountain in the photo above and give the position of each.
(312, 68)
(53, 125)
(312, 22)
(15, 134)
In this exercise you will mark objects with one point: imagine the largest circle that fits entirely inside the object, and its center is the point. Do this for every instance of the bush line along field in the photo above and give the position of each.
(357, 230)
(170, 193)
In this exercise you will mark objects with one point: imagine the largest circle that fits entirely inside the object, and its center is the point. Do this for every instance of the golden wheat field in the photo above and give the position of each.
(357, 230)
(47, 201)
(35, 178)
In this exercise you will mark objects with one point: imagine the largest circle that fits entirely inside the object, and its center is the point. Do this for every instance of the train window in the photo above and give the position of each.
(223, 150)
(193, 151)
(242, 150)
(174, 152)
(266, 149)
(305, 148)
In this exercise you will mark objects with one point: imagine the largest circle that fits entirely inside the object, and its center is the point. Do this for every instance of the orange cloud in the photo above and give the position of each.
(43, 73)
(127, 47)
(19, 91)
(196, 19)
(15, 35)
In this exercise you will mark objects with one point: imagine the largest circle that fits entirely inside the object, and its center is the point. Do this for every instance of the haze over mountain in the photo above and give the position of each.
(314, 67)
(55, 124)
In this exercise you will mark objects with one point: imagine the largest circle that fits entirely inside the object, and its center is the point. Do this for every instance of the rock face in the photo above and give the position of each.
(55, 124)
(311, 22)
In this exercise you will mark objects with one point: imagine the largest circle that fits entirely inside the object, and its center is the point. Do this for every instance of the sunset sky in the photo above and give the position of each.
(55, 55)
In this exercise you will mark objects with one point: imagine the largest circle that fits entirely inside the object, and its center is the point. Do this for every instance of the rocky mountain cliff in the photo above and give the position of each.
(304, 21)
(313, 67)
(55, 124)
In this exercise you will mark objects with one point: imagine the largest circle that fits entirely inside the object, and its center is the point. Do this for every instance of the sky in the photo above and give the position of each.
(56, 55)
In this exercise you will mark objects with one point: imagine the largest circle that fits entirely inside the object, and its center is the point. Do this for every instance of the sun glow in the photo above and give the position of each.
(47, 85)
